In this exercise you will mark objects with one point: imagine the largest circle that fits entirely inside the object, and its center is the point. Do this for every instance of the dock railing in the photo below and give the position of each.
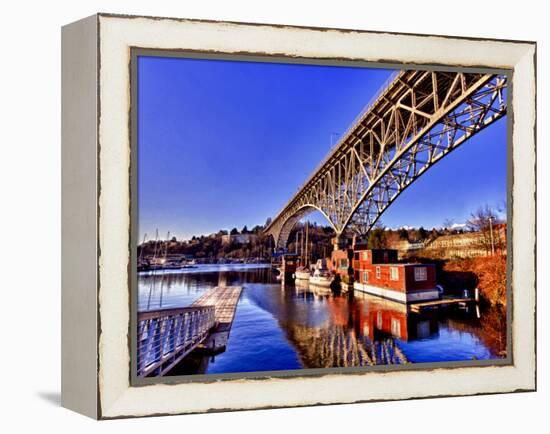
(166, 336)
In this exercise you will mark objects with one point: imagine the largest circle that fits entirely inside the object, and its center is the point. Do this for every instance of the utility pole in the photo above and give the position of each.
(492, 239)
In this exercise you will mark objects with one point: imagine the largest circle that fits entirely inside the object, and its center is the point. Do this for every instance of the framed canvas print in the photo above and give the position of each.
(260, 216)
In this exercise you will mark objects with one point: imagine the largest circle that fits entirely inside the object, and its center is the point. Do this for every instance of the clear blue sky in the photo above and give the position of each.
(224, 144)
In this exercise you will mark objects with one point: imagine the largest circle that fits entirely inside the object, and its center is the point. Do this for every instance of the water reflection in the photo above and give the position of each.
(297, 326)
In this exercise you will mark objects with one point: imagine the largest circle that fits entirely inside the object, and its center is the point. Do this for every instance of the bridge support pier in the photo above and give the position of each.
(340, 242)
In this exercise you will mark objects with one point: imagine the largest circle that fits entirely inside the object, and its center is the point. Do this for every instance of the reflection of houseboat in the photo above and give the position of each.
(382, 318)
(322, 275)
(377, 272)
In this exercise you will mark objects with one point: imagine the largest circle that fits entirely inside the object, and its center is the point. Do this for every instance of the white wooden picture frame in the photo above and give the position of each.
(97, 209)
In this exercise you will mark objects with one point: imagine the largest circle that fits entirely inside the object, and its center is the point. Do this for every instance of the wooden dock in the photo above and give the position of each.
(166, 336)
(444, 302)
(224, 299)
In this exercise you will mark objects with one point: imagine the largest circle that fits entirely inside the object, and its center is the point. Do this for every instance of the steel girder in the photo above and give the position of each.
(417, 120)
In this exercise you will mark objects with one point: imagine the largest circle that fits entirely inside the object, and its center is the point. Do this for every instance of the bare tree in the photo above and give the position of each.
(448, 224)
(486, 221)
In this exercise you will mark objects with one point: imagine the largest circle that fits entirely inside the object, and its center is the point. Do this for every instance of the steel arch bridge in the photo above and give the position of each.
(415, 121)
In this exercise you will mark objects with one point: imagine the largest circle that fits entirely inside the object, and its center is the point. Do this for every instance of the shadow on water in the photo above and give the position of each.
(297, 326)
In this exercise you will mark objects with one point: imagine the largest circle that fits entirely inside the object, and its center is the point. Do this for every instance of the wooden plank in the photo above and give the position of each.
(225, 300)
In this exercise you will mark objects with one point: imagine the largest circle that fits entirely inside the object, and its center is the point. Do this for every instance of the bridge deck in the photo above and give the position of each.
(416, 119)
(166, 336)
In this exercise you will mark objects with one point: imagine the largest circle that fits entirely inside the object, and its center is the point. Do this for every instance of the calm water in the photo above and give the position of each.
(298, 326)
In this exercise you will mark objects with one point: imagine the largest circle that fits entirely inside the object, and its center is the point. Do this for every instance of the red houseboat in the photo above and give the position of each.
(377, 272)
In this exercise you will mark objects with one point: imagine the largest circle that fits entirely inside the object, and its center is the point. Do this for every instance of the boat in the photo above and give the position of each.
(302, 274)
(321, 278)
(322, 275)
(185, 266)
(279, 273)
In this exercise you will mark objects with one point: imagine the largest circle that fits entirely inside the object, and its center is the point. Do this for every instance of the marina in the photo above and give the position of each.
(344, 293)
(297, 325)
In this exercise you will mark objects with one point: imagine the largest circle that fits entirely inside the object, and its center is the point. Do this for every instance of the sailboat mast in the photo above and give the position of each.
(307, 238)
(142, 247)
(302, 246)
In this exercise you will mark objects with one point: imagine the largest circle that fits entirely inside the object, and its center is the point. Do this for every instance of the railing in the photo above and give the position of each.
(165, 336)
(366, 108)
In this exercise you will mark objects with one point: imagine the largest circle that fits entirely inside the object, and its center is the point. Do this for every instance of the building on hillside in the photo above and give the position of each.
(377, 272)
(238, 238)
(469, 244)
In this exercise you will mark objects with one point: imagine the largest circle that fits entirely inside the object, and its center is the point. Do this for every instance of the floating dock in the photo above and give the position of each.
(444, 302)
(166, 336)
(224, 299)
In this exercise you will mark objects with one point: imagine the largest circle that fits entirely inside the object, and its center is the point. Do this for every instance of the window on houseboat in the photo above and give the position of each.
(378, 272)
(365, 276)
(365, 255)
(420, 274)
(394, 273)
(343, 263)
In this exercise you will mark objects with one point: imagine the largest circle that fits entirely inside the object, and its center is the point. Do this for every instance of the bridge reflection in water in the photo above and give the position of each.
(294, 327)
(343, 332)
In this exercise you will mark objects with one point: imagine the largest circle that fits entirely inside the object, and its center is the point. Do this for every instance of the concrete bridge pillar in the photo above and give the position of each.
(339, 242)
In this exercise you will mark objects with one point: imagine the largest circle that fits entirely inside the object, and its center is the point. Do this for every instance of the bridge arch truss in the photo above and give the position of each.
(416, 121)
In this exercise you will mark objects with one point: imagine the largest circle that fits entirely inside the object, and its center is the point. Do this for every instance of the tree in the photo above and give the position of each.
(448, 223)
(422, 233)
(244, 230)
(234, 231)
(484, 221)
(404, 234)
(377, 237)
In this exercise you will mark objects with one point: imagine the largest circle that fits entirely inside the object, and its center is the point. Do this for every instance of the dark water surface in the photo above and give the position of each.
(301, 326)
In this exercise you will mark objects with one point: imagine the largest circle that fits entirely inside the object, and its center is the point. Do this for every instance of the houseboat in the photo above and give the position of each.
(377, 272)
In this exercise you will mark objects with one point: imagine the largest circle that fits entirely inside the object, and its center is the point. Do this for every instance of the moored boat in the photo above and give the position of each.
(302, 274)
(321, 278)
(322, 275)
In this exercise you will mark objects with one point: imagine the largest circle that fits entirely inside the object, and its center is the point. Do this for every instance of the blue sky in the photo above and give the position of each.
(224, 144)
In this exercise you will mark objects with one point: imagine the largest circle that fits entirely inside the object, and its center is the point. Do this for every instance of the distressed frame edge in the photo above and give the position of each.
(529, 386)
(79, 187)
